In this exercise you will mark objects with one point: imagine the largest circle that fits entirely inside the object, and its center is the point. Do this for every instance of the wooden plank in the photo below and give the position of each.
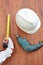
(20, 57)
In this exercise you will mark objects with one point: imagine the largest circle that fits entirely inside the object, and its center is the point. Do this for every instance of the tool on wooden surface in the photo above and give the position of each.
(27, 46)
(7, 52)
(5, 41)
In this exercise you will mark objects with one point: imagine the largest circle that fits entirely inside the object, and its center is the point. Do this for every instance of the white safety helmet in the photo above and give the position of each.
(27, 20)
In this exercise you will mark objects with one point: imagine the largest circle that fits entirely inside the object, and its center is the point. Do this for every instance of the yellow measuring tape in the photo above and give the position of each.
(8, 27)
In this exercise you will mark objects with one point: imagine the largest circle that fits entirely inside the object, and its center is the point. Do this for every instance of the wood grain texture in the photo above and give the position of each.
(20, 57)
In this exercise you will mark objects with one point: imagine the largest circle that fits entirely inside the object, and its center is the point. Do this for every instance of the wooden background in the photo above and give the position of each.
(20, 57)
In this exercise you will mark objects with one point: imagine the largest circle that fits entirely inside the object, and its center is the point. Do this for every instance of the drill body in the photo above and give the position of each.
(27, 46)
